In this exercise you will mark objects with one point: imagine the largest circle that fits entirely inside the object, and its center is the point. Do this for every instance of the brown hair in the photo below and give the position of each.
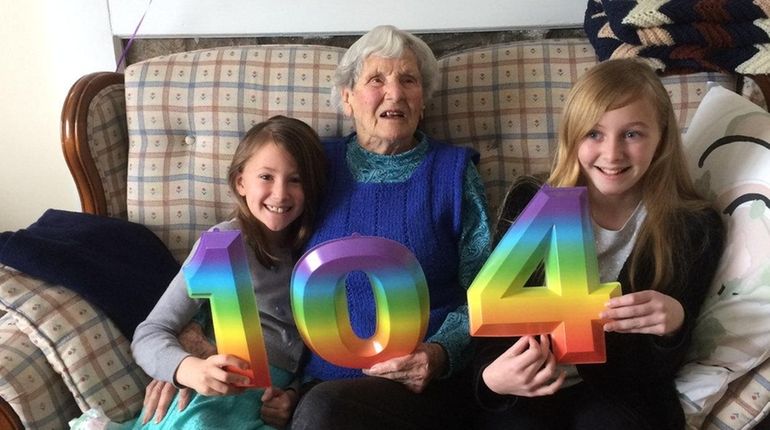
(304, 145)
(667, 190)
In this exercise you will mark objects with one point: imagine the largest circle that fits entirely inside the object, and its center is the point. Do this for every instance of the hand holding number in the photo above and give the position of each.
(209, 376)
(528, 368)
(648, 311)
(415, 370)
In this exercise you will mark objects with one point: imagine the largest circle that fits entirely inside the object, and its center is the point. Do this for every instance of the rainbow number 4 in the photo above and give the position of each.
(319, 302)
(219, 272)
(554, 228)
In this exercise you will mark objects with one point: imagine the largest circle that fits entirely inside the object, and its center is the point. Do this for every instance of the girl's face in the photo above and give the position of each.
(617, 152)
(271, 185)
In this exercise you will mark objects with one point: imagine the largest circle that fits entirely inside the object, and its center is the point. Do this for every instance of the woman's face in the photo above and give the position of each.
(616, 153)
(386, 103)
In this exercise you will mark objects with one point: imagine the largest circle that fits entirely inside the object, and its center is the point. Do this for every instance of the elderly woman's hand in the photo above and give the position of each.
(415, 370)
(194, 341)
(277, 406)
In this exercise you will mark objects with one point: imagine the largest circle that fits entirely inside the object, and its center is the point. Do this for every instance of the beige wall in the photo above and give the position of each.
(45, 46)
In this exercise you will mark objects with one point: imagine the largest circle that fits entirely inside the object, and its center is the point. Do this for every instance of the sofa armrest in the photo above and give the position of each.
(32, 394)
(763, 83)
(88, 354)
(95, 142)
(745, 404)
(8, 418)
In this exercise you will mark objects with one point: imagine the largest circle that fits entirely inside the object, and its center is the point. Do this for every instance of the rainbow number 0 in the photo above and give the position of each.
(320, 306)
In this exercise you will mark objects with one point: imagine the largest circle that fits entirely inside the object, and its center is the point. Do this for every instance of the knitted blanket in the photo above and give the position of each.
(683, 36)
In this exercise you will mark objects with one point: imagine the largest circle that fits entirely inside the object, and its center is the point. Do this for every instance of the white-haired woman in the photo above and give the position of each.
(391, 180)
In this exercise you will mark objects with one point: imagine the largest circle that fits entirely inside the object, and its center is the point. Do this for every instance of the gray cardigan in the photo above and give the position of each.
(155, 345)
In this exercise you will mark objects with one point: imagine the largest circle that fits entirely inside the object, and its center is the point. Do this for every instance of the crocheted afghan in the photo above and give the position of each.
(681, 36)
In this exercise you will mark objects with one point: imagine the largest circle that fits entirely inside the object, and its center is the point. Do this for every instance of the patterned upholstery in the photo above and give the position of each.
(29, 384)
(186, 113)
(107, 135)
(746, 402)
(59, 330)
(505, 101)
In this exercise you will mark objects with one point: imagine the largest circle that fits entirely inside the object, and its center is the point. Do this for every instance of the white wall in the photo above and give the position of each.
(45, 46)
(256, 18)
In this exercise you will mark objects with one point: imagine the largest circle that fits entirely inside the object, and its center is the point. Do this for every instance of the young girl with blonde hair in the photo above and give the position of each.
(654, 234)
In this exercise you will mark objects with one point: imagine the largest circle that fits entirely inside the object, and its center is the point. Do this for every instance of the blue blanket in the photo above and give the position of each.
(118, 266)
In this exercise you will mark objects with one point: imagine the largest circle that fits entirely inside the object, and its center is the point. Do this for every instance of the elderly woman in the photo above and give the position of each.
(389, 179)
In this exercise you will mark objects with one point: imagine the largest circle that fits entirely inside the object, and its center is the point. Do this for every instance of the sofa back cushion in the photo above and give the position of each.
(505, 101)
(187, 112)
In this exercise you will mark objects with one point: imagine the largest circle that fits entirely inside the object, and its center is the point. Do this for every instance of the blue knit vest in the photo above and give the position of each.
(423, 213)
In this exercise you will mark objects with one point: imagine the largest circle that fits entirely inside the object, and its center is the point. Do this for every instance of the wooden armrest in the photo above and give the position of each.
(8, 418)
(763, 82)
(74, 136)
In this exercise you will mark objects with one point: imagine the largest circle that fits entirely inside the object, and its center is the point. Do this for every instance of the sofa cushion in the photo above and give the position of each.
(505, 101)
(187, 112)
(728, 150)
(28, 383)
(80, 343)
(746, 402)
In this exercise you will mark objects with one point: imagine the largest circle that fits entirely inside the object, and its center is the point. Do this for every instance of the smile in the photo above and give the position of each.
(392, 114)
(612, 171)
(277, 209)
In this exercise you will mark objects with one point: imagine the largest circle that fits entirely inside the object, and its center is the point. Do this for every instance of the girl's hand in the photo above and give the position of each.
(528, 368)
(277, 406)
(414, 370)
(648, 311)
(208, 376)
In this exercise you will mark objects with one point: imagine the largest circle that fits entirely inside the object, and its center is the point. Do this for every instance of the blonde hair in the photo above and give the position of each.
(667, 190)
(304, 146)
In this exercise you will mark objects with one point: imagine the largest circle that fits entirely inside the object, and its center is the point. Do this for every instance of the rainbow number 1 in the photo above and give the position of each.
(554, 228)
(219, 272)
(319, 302)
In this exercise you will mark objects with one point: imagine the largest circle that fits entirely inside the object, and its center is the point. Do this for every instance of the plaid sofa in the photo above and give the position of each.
(152, 146)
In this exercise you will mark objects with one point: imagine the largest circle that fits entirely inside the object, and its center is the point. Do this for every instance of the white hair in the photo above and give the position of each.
(384, 41)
